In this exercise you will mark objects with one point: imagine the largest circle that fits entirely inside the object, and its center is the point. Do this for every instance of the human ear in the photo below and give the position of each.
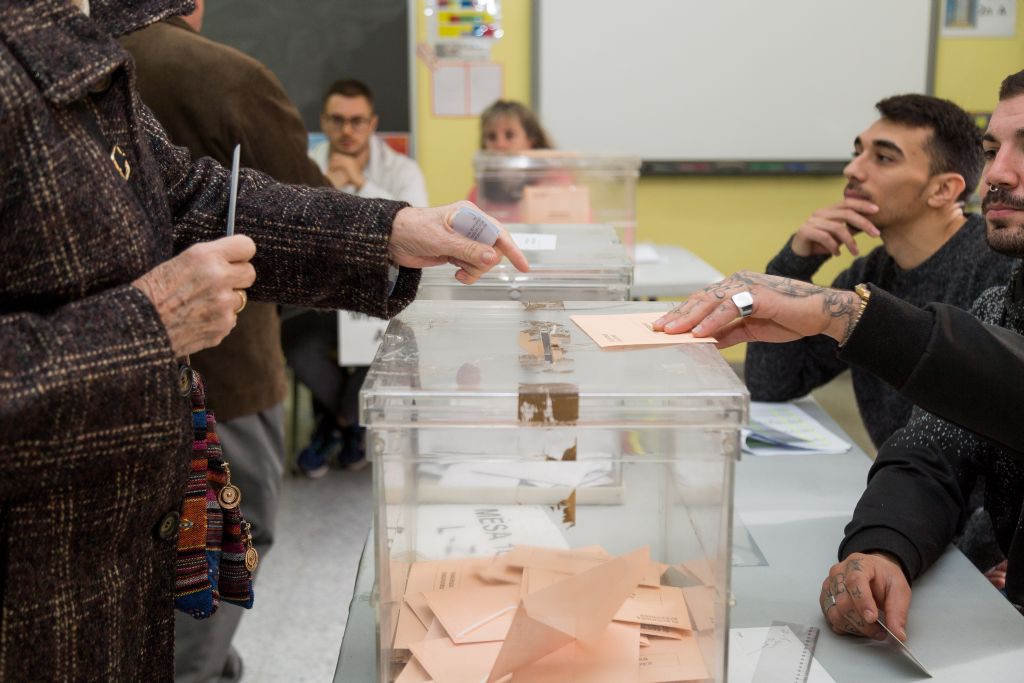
(945, 188)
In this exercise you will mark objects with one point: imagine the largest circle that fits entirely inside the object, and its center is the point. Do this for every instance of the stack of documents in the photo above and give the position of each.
(785, 429)
(540, 615)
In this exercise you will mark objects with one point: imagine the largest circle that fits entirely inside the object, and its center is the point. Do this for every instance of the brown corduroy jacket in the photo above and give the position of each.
(209, 97)
(94, 429)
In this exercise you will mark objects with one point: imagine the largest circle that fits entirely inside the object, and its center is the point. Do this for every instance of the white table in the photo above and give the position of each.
(795, 507)
(678, 273)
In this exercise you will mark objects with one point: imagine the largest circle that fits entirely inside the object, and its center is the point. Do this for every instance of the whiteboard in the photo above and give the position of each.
(724, 79)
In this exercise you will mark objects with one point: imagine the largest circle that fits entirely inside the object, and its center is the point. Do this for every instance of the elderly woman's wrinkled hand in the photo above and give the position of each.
(200, 292)
(424, 237)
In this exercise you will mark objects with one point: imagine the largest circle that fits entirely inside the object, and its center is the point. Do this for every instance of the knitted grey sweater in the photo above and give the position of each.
(956, 274)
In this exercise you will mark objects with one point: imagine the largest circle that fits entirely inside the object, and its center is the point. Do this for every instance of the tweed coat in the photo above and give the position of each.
(94, 429)
(217, 98)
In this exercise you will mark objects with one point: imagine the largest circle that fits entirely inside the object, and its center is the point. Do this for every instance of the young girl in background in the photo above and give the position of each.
(508, 127)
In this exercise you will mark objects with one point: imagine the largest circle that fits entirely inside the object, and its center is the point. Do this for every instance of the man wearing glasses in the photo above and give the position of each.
(357, 161)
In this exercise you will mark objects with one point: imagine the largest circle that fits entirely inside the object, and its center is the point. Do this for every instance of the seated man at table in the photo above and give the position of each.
(360, 163)
(916, 498)
(354, 158)
(911, 171)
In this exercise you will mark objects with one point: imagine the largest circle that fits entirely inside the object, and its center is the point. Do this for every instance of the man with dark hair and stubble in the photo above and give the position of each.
(357, 161)
(912, 169)
(354, 158)
(966, 368)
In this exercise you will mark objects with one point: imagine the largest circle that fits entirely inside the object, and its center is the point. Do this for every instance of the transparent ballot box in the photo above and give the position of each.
(567, 263)
(543, 505)
(549, 186)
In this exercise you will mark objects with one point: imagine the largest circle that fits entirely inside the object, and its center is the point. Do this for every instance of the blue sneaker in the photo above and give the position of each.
(312, 461)
(353, 450)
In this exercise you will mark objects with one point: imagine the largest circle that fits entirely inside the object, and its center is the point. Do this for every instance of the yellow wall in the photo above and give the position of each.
(732, 223)
(445, 146)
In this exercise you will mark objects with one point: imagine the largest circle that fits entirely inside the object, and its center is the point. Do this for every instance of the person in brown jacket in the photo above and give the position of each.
(113, 268)
(208, 97)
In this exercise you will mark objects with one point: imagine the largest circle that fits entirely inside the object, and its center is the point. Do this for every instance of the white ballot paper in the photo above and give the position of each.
(444, 531)
(534, 241)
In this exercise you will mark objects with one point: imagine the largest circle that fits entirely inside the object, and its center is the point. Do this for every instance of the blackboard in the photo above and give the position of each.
(725, 80)
(309, 44)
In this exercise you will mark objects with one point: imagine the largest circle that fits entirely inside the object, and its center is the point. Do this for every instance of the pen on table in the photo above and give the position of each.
(233, 196)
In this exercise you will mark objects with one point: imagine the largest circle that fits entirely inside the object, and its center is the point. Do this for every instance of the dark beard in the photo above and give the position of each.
(1002, 236)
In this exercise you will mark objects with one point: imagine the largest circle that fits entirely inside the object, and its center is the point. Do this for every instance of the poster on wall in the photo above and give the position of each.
(463, 30)
(457, 52)
(979, 18)
(465, 88)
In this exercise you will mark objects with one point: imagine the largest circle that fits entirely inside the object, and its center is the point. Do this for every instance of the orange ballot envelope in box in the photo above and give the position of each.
(579, 607)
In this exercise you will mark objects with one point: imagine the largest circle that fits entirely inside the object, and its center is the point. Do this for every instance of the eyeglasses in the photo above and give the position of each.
(339, 122)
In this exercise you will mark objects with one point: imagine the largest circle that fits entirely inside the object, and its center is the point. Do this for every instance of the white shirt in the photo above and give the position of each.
(388, 174)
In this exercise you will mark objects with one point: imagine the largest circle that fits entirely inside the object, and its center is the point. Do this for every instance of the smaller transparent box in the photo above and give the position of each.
(543, 503)
(551, 186)
(567, 263)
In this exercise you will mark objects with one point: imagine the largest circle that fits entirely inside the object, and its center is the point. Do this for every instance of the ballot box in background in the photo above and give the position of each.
(542, 505)
(553, 186)
(567, 263)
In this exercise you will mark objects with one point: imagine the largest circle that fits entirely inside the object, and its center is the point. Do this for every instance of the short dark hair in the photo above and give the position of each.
(1012, 86)
(348, 87)
(539, 138)
(955, 142)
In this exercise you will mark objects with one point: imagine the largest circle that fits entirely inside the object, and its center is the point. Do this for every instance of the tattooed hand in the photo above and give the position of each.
(784, 310)
(858, 587)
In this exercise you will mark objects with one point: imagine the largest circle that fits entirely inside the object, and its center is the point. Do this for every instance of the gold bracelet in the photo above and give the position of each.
(865, 295)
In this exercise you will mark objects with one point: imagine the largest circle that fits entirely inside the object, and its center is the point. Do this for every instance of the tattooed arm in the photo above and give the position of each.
(784, 309)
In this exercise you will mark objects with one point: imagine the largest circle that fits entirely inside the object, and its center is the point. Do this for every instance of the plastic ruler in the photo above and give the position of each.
(787, 654)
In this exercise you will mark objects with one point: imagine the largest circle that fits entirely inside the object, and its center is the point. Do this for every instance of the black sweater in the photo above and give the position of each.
(916, 499)
(956, 274)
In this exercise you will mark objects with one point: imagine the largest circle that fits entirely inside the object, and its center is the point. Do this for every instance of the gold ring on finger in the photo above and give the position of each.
(245, 300)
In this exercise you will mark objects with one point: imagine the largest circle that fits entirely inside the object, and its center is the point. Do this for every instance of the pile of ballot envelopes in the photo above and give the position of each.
(540, 615)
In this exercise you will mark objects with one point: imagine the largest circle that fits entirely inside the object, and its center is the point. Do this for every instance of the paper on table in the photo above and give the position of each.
(672, 660)
(745, 645)
(806, 435)
(631, 329)
(578, 608)
(612, 659)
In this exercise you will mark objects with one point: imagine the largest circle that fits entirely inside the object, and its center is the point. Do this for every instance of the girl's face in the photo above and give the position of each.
(506, 134)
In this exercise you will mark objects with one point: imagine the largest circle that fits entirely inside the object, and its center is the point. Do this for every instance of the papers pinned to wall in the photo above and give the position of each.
(465, 88)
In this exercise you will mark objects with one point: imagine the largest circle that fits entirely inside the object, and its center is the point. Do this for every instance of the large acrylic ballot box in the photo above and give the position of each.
(543, 505)
(567, 262)
(550, 186)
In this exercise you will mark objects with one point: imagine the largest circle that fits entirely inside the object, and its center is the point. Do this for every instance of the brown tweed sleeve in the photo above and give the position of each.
(314, 246)
(83, 372)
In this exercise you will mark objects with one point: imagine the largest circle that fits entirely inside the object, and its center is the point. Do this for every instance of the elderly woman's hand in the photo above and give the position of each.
(425, 237)
(200, 292)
